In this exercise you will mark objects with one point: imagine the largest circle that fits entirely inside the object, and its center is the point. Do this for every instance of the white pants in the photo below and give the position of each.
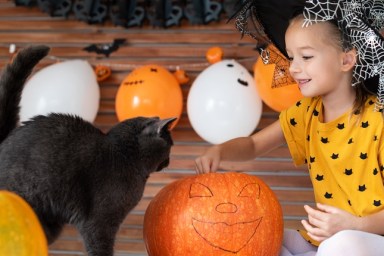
(343, 243)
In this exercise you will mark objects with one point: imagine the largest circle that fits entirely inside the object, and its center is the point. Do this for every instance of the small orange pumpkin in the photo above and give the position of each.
(214, 214)
(20, 231)
(214, 54)
(181, 76)
(102, 72)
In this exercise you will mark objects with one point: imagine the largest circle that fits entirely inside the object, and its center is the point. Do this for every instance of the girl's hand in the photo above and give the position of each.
(327, 220)
(209, 161)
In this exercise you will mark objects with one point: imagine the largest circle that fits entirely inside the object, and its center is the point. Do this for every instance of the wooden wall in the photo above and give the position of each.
(183, 46)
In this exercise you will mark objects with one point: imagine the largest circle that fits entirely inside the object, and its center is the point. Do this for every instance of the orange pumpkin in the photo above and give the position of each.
(149, 91)
(214, 214)
(214, 54)
(20, 231)
(181, 76)
(102, 72)
(277, 98)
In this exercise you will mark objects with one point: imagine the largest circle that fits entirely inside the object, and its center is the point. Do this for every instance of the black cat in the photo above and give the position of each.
(71, 172)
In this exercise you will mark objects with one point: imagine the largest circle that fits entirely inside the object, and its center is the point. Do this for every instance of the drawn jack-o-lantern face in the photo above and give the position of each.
(149, 91)
(214, 214)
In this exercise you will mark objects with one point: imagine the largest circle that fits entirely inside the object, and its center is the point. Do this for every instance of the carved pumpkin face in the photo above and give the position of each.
(149, 91)
(214, 214)
(20, 231)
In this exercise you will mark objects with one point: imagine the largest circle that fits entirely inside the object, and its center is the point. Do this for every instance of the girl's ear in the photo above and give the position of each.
(349, 60)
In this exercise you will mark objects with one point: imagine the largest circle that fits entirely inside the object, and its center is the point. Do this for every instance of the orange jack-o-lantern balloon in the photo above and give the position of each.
(214, 214)
(20, 231)
(214, 54)
(149, 91)
(278, 98)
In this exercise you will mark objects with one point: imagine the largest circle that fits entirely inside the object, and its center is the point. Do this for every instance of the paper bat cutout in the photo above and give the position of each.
(105, 49)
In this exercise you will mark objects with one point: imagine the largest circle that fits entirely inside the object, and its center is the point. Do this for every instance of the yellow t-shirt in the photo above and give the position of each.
(345, 158)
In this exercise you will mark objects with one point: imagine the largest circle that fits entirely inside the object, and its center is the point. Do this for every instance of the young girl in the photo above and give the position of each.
(337, 130)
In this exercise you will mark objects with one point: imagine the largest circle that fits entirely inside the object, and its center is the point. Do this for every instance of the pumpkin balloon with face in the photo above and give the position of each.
(20, 231)
(149, 91)
(214, 214)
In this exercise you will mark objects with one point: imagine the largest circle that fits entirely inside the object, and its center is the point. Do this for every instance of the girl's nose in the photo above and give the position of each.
(294, 67)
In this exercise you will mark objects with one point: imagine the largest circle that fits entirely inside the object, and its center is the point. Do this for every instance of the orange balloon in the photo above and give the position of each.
(149, 91)
(278, 98)
(214, 54)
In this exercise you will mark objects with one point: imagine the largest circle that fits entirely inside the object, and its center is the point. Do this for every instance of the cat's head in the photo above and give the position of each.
(156, 140)
(147, 139)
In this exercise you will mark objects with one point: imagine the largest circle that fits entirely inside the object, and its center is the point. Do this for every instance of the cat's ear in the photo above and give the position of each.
(158, 125)
(164, 123)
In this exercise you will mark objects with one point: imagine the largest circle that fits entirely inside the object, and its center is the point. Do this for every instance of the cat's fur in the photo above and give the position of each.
(71, 172)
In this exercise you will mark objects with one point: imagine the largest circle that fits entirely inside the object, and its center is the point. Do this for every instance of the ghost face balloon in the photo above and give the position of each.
(67, 87)
(223, 102)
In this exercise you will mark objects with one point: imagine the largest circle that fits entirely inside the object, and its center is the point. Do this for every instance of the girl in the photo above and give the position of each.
(336, 129)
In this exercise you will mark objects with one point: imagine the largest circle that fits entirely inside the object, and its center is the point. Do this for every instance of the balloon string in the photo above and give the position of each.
(169, 67)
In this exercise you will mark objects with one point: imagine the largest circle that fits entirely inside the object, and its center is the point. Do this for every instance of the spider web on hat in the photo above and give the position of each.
(357, 20)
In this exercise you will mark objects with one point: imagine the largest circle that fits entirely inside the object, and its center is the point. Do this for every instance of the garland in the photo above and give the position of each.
(159, 13)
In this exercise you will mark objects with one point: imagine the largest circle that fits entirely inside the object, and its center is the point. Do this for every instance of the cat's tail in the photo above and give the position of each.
(12, 82)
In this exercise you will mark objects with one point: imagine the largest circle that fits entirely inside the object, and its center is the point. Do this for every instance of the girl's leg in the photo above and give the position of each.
(295, 244)
(352, 242)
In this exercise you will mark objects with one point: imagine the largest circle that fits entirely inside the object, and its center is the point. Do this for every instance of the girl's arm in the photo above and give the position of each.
(327, 220)
(241, 149)
(373, 223)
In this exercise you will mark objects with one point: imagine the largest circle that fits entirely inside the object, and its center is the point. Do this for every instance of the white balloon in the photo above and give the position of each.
(67, 87)
(223, 102)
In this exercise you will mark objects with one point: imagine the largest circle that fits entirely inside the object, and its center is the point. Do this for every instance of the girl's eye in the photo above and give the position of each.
(307, 57)
(290, 59)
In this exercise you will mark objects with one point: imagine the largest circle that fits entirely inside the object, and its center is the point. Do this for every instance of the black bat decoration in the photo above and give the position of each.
(105, 49)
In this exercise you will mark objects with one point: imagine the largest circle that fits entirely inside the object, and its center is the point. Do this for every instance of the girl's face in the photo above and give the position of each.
(316, 60)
